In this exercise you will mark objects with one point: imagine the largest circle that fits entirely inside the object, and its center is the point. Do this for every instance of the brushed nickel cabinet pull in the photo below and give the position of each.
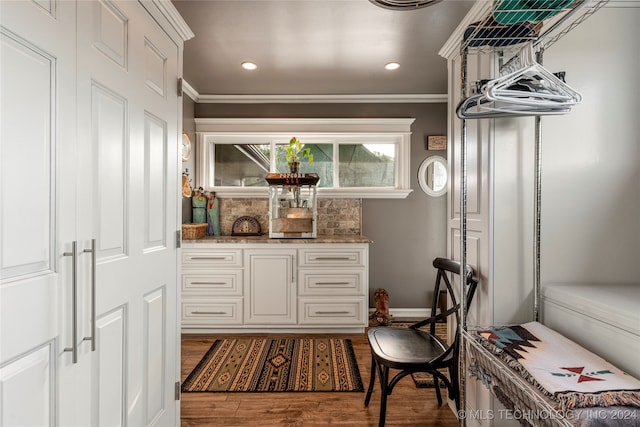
(208, 283)
(208, 258)
(332, 283)
(332, 312)
(332, 258)
(74, 303)
(208, 312)
(92, 338)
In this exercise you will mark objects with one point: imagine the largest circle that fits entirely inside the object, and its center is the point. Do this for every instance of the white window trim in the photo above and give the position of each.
(209, 130)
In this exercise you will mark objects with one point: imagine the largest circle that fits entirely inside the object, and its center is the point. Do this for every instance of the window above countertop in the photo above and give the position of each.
(355, 158)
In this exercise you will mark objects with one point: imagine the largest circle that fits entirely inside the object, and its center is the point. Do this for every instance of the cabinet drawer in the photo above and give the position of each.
(203, 283)
(211, 258)
(323, 312)
(331, 282)
(211, 313)
(332, 257)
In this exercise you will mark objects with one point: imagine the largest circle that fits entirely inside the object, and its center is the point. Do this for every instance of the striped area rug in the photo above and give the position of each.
(284, 364)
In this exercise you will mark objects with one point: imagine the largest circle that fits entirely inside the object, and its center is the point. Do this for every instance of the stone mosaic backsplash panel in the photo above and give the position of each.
(336, 217)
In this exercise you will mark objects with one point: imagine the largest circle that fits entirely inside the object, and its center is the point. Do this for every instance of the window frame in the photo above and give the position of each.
(210, 131)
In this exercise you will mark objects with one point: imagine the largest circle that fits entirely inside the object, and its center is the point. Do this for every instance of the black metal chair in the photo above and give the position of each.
(412, 349)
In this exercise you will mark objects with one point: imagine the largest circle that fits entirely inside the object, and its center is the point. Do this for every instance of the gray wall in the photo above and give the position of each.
(407, 233)
(189, 125)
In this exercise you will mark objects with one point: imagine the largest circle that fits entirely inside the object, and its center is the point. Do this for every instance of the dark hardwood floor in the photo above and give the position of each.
(407, 406)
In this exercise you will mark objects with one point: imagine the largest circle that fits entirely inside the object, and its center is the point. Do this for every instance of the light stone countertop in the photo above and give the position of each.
(265, 239)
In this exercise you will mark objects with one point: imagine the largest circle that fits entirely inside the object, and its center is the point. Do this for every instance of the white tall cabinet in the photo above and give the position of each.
(500, 199)
(586, 221)
(89, 150)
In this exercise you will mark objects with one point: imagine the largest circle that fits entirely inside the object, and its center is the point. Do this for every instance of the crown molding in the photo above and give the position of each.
(284, 125)
(323, 99)
(176, 20)
(188, 90)
(313, 99)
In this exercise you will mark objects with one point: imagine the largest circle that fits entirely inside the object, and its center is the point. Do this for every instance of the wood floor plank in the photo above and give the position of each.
(407, 406)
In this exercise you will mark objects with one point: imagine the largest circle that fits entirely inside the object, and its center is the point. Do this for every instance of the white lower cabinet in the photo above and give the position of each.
(314, 287)
(270, 291)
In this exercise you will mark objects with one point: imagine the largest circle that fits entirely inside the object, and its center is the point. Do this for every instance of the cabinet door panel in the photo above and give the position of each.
(269, 287)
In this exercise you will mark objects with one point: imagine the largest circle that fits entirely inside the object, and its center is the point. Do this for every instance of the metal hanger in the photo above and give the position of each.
(531, 90)
(549, 91)
(480, 107)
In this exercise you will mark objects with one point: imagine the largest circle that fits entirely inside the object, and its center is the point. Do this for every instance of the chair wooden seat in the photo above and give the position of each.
(413, 349)
(403, 347)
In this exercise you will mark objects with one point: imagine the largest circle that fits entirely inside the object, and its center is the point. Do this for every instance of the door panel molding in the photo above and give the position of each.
(155, 318)
(111, 32)
(109, 122)
(155, 181)
(28, 80)
(110, 369)
(28, 387)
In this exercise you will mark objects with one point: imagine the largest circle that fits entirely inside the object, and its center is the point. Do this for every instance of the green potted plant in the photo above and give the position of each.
(296, 152)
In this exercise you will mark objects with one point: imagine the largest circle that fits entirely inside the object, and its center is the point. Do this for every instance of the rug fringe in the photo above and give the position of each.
(604, 399)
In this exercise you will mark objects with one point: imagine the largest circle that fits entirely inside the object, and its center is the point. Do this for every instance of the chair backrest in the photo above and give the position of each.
(445, 266)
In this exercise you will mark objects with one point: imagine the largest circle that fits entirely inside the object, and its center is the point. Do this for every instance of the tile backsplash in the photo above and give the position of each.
(335, 216)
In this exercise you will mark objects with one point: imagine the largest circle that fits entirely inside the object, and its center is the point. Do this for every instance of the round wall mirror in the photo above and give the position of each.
(433, 175)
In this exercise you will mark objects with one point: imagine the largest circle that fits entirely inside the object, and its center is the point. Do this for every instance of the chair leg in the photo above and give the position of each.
(372, 381)
(436, 385)
(384, 381)
(455, 386)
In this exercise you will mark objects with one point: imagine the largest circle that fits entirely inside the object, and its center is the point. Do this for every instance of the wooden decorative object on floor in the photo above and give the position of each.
(381, 316)
(279, 364)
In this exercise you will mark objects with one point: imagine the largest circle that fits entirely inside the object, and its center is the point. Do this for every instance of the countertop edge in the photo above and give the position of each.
(266, 239)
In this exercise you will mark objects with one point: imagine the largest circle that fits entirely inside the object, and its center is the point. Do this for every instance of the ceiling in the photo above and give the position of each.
(316, 47)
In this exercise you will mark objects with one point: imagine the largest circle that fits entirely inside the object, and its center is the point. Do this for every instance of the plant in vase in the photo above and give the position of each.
(295, 152)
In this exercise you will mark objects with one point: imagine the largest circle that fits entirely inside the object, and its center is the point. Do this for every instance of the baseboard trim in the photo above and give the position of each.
(407, 312)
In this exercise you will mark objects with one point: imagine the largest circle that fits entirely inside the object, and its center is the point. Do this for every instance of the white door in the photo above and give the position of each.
(88, 150)
(37, 203)
(127, 140)
(270, 291)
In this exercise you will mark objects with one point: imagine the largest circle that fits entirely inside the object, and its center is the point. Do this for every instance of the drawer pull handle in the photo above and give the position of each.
(208, 258)
(208, 312)
(332, 312)
(208, 283)
(332, 258)
(332, 283)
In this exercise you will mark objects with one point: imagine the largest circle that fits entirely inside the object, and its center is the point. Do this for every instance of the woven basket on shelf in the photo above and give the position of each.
(193, 231)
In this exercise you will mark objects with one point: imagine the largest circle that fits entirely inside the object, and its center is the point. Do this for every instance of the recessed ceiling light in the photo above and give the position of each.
(392, 66)
(248, 65)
